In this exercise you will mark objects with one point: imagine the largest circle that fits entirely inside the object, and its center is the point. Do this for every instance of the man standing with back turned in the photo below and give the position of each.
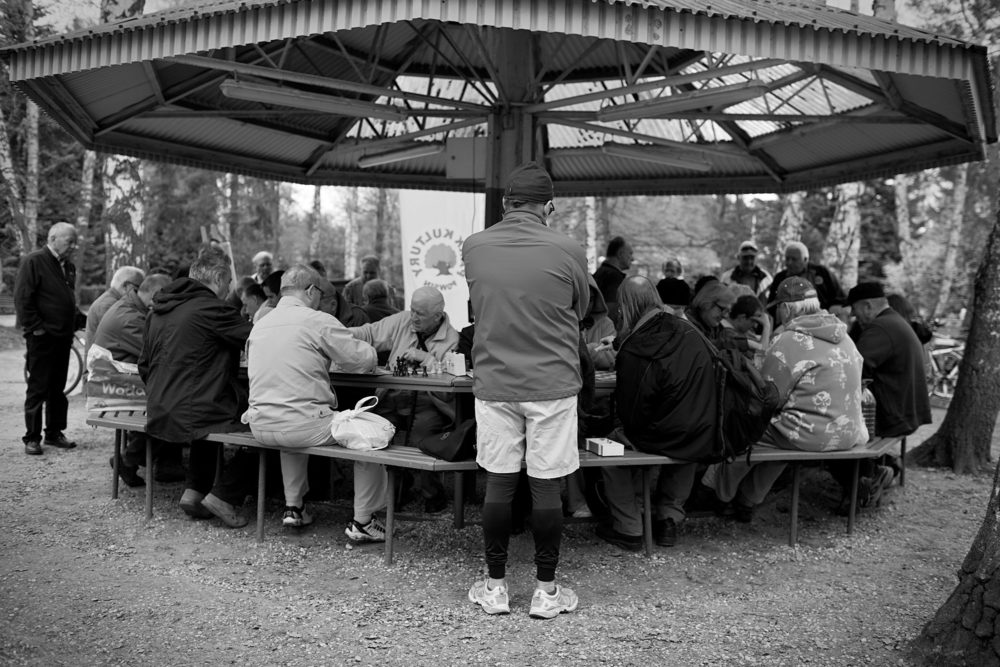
(528, 287)
(46, 308)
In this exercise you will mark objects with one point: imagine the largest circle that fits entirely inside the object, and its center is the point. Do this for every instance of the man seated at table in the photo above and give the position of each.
(292, 404)
(189, 362)
(120, 332)
(422, 334)
(817, 370)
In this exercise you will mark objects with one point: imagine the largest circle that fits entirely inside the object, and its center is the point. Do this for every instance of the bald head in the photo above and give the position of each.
(426, 309)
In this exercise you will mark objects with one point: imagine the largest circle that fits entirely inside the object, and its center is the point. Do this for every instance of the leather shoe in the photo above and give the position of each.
(129, 474)
(224, 511)
(612, 536)
(191, 504)
(59, 442)
(665, 532)
(32, 447)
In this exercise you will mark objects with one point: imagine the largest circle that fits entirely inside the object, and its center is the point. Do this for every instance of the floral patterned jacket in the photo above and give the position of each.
(816, 366)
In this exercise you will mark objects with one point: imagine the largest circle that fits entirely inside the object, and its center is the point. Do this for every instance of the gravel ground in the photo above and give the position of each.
(85, 580)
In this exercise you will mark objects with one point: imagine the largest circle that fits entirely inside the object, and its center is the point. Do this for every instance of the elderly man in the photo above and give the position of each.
(292, 404)
(817, 370)
(528, 288)
(263, 264)
(189, 360)
(797, 263)
(120, 332)
(747, 272)
(375, 295)
(610, 274)
(422, 334)
(46, 308)
(124, 281)
(369, 271)
(894, 361)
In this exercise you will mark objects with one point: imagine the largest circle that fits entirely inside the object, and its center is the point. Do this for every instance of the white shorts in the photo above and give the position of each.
(542, 433)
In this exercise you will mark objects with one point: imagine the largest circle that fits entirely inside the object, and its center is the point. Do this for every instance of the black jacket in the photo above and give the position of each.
(190, 360)
(44, 297)
(665, 396)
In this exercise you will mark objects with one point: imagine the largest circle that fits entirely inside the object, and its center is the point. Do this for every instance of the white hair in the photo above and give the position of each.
(127, 274)
(801, 247)
(263, 254)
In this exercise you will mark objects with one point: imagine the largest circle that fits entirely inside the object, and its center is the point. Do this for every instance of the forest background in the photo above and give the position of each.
(921, 233)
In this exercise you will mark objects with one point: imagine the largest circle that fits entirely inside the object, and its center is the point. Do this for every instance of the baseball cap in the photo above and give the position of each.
(868, 290)
(747, 246)
(791, 289)
(529, 183)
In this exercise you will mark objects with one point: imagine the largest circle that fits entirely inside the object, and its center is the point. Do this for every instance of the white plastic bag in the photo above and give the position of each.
(360, 429)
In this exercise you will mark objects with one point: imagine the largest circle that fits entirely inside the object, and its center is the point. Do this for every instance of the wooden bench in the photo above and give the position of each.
(396, 457)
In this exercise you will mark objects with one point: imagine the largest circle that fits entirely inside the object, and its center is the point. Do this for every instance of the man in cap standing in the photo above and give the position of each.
(529, 290)
(747, 272)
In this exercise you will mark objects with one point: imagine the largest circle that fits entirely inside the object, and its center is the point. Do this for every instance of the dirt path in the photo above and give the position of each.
(84, 580)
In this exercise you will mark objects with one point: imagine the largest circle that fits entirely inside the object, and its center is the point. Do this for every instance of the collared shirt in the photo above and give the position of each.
(290, 354)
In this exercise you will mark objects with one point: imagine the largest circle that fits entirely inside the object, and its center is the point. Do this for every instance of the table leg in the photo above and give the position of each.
(647, 511)
(390, 512)
(853, 507)
(459, 509)
(261, 499)
(149, 478)
(119, 434)
(793, 531)
(902, 462)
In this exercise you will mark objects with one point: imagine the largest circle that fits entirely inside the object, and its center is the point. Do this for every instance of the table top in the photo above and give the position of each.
(444, 382)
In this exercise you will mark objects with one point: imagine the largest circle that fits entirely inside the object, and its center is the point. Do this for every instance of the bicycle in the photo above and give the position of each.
(74, 373)
(944, 357)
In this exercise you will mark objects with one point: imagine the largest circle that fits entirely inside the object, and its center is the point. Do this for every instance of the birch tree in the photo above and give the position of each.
(843, 242)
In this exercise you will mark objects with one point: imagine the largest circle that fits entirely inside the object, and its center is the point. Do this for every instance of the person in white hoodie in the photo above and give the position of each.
(817, 370)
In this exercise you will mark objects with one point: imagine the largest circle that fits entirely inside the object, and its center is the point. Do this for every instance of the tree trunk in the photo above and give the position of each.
(123, 214)
(963, 441)
(351, 233)
(843, 242)
(963, 631)
(955, 226)
(315, 222)
(790, 227)
(591, 213)
(83, 210)
(15, 203)
(907, 248)
(31, 170)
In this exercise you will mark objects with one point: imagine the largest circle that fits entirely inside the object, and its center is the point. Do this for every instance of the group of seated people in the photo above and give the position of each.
(187, 337)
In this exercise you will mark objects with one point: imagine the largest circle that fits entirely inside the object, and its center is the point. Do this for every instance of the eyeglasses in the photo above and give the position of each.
(133, 285)
(722, 309)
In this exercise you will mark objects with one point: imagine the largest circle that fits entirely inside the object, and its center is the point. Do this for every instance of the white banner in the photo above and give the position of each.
(433, 226)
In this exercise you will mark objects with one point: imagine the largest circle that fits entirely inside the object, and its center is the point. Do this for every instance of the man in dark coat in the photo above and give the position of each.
(797, 264)
(189, 362)
(375, 295)
(610, 274)
(46, 309)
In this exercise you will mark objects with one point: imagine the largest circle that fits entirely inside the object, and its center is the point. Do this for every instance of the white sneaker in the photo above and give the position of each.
(296, 517)
(545, 605)
(373, 531)
(493, 601)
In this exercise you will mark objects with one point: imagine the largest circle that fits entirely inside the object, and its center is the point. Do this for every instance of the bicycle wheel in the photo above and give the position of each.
(75, 371)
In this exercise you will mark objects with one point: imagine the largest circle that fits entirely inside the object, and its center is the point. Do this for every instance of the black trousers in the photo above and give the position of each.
(47, 364)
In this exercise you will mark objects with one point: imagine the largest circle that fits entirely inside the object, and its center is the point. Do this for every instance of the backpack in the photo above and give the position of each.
(746, 404)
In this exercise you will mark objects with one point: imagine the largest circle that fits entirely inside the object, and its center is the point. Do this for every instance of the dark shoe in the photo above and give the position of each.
(870, 488)
(129, 474)
(32, 447)
(612, 536)
(436, 503)
(665, 532)
(191, 504)
(59, 442)
(743, 513)
(169, 473)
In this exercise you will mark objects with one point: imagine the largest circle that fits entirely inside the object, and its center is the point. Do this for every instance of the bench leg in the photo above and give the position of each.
(220, 458)
(852, 508)
(459, 509)
(793, 529)
(149, 478)
(261, 500)
(119, 436)
(647, 512)
(390, 512)
(902, 462)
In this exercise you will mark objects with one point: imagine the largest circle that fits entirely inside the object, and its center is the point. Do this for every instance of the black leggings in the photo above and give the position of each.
(546, 523)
